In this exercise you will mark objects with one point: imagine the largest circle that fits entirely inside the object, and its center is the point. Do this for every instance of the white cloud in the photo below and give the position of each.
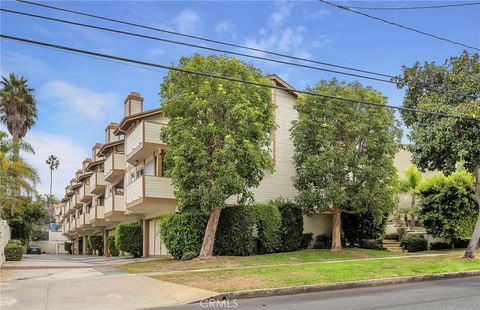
(226, 26)
(281, 13)
(187, 21)
(21, 63)
(290, 40)
(70, 155)
(79, 100)
(318, 14)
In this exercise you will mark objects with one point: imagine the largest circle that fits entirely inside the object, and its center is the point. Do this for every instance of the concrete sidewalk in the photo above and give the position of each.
(91, 287)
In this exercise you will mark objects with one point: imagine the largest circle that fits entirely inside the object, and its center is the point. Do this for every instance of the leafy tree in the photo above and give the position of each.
(218, 135)
(410, 185)
(447, 205)
(439, 143)
(22, 221)
(344, 153)
(15, 173)
(18, 109)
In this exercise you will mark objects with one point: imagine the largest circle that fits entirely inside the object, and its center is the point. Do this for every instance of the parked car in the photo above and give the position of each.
(34, 249)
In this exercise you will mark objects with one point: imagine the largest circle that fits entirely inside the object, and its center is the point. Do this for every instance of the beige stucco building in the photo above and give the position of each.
(124, 180)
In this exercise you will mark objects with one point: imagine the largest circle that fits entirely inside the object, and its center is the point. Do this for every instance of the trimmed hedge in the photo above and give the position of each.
(323, 241)
(414, 243)
(67, 246)
(129, 238)
(183, 233)
(291, 227)
(358, 227)
(111, 247)
(96, 243)
(392, 236)
(439, 246)
(371, 244)
(234, 232)
(13, 251)
(306, 240)
(268, 220)
(461, 243)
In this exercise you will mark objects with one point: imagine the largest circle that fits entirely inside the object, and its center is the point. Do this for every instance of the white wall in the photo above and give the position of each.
(4, 238)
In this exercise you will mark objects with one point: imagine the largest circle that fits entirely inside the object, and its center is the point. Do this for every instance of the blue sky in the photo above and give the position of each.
(77, 96)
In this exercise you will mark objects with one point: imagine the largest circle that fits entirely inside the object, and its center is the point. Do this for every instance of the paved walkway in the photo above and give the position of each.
(84, 282)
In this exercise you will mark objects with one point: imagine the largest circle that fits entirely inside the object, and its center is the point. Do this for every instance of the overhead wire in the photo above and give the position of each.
(231, 79)
(348, 9)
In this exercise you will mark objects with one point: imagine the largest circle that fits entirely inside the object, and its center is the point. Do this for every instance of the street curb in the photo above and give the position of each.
(341, 285)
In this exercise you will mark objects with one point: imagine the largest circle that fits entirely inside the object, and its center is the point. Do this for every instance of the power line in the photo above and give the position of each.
(391, 81)
(204, 74)
(346, 8)
(440, 6)
(194, 45)
(118, 21)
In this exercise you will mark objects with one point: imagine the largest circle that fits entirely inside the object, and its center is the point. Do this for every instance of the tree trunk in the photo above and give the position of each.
(210, 232)
(472, 246)
(336, 229)
(412, 215)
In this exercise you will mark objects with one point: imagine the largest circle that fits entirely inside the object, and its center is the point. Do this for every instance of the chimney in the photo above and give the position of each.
(85, 163)
(95, 150)
(133, 104)
(109, 133)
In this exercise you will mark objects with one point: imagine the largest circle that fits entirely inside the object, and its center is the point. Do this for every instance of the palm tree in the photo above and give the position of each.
(16, 175)
(409, 185)
(18, 109)
(53, 163)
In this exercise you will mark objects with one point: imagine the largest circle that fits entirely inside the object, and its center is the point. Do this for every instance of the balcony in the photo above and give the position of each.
(142, 141)
(97, 183)
(84, 194)
(114, 168)
(70, 209)
(75, 201)
(150, 193)
(115, 207)
(97, 216)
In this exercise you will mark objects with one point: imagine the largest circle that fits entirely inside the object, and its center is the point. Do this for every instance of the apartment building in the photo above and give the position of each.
(124, 181)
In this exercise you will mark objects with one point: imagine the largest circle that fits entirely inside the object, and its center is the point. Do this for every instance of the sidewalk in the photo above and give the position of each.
(50, 282)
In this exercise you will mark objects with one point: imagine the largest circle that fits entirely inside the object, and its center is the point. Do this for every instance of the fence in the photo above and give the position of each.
(4, 238)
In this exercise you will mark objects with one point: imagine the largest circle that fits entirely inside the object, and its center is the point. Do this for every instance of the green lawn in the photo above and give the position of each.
(321, 272)
(269, 259)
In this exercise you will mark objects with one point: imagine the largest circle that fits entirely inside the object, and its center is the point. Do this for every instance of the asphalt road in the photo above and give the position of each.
(454, 294)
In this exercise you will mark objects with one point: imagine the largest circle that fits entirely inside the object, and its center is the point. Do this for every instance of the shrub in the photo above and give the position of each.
(112, 249)
(392, 236)
(414, 243)
(460, 243)
(291, 227)
(39, 235)
(67, 246)
(323, 242)
(234, 232)
(96, 243)
(183, 233)
(439, 246)
(189, 255)
(448, 205)
(363, 226)
(13, 251)
(268, 224)
(128, 238)
(306, 240)
(371, 244)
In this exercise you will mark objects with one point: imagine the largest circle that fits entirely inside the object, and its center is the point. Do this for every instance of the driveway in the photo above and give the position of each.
(85, 282)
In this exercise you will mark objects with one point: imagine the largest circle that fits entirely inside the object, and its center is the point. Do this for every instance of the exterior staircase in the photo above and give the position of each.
(392, 245)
